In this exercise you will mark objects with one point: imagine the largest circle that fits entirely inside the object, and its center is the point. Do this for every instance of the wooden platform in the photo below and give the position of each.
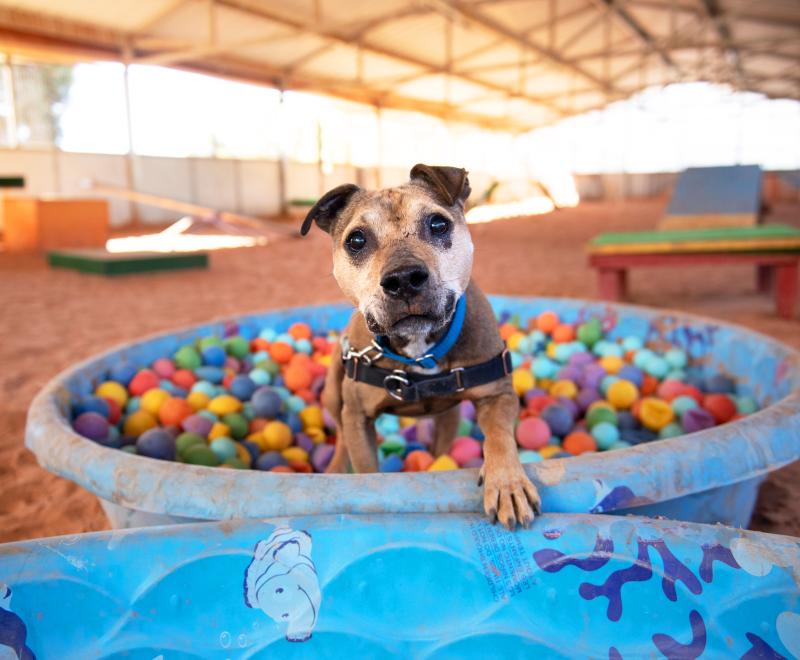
(773, 249)
(102, 262)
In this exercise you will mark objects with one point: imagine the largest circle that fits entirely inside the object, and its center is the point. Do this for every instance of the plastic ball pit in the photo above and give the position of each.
(707, 476)
(417, 586)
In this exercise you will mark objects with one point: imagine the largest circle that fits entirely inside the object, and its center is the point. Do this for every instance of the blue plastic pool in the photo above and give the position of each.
(421, 586)
(708, 476)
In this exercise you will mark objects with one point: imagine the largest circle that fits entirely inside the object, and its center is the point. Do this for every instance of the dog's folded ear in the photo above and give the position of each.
(328, 207)
(449, 184)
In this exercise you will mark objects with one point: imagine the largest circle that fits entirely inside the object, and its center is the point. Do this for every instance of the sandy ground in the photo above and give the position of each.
(52, 318)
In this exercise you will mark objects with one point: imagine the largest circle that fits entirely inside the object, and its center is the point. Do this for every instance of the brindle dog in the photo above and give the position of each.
(403, 257)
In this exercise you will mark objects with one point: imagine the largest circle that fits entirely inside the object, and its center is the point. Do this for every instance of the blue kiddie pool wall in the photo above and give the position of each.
(412, 586)
(709, 476)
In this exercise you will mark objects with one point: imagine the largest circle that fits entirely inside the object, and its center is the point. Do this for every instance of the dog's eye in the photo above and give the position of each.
(438, 224)
(356, 240)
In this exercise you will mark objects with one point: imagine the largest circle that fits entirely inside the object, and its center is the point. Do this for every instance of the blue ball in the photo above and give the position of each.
(269, 460)
(295, 403)
(632, 343)
(294, 422)
(269, 334)
(676, 358)
(91, 404)
(414, 446)
(156, 443)
(252, 449)
(626, 421)
(529, 456)
(632, 373)
(248, 331)
(559, 418)
(386, 424)
(303, 346)
(476, 432)
(266, 402)
(211, 374)
(605, 434)
(213, 356)
(205, 387)
(637, 436)
(544, 367)
(260, 376)
(392, 463)
(122, 373)
(242, 387)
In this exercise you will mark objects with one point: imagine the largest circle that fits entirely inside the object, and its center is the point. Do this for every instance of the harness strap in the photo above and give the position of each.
(412, 387)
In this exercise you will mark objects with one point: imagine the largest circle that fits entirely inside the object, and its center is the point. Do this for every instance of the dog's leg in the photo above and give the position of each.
(340, 461)
(332, 400)
(508, 494)
(361, 439)
(445, 426)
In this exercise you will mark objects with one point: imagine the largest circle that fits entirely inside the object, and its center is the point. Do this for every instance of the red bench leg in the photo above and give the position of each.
(765, 278)
(611, 283)
(785, 290)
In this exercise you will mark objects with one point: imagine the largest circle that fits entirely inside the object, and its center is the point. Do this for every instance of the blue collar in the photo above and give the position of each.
(440, 349)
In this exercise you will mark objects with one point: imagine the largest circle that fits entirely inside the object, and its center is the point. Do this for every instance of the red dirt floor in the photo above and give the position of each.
(54, 318)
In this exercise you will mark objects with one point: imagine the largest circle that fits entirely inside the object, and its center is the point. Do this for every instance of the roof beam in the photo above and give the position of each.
(715, 16)
(764, 19)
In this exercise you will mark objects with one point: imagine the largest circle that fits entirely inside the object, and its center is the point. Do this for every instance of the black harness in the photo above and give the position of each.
(411, 387)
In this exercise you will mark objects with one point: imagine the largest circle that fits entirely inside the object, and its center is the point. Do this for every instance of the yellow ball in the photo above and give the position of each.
(152, 400)
(551, 350)
(442, 464)
(277, 435)
(243, 454)
(407, 421)
(138, 422)
(219, 430)
(224, 405)
(198, 400)
(325, 360)
(622, 394)
(513, 341)
(316, 434)
(655, 414)
(522, 380)
(611, 363)
(114, 391)
(260, 440)
(548, 451)
(311, 416)
(565, 388)
(295, 454)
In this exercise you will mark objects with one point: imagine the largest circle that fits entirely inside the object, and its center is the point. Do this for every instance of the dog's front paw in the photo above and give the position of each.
(508, 495)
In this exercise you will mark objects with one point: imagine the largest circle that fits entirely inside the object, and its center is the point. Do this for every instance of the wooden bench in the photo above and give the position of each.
(773, 249)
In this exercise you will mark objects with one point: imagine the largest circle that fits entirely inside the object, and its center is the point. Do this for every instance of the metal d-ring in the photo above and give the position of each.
(396, 376)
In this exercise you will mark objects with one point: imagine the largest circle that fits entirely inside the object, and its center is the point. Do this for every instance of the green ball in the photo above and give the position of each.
(237, 346)
(672, 430)
(186, 440)
(201, 455)
(235, 462)
(224, 448)
(205, 342)
(270, 366)
(187, 357)
(590, 333)
(393, 443)
(601, 414)
(129, 449)
(237, 424)
(464, 427)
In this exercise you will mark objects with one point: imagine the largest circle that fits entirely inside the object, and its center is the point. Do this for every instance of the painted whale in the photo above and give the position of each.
(281, 580)
(13, 632)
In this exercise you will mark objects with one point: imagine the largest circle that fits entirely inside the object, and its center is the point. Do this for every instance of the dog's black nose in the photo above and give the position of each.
(405, 283)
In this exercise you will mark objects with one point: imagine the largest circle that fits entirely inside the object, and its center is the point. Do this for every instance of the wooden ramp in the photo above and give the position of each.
(713, 197)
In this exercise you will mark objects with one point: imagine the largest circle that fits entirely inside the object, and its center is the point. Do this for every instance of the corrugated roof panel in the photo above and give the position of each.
(120, 14)
(421, 37)
(283, 52)
(338, 61)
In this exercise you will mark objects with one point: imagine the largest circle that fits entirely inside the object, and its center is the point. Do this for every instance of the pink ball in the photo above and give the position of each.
(533, 433)
(465, 449)
(669, 389)
(164, 367)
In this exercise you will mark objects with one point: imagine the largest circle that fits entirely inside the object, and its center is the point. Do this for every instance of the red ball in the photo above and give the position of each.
(538, 403)
(184, 378)
(533, 433)
(721, 407)
(670, 389)
(114, 411)
(143, 381)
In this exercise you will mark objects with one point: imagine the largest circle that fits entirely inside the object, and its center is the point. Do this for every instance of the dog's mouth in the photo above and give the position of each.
(415, 319)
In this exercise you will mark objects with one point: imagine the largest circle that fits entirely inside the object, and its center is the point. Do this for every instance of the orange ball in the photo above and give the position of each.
(281, 352)
(174, 410)
(563, 332)
(578, 442)
(297, 378)
(721, 406)
(506, 330)
(417, 461)
(300, 331)
(547, 321)
(649, 385)
(300, 466)
(259, 344)
(184, 378)
(256, 425)
(282, 468)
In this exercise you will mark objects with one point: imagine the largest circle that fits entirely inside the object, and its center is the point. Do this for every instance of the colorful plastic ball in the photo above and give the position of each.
(579, 442)
(522, 380)
(528, 456)
(465, 449)
(680, 404)
(187, 357)
(391, 463)
(544, 367)
(669, 388)
(558, 418)
(565, 388)
(443, 463)
(143, 381)
(242, 387)
(186, 440)
(619, 444)
(152, 400)
(547, 321)
(236, 346)
(91, 425)
(637, 436)
(224, 404)
(266, 402)
(224, 448)
(721, 406)
(626, 420)
(418, 460)
(586, 397)
(600, 412)
(590, 332)
(173, 411)
(697, 419)
(201, 455)
(746, 405)
(657, 367)
(237, 423)
(112, 390)
(549, 451)
(632, 373)
(605, 434)
(655, 414)
(156, 443)
(94, 404)
(532, 433)
(277, 435)
(676, 358)
(218, 430)
(269, 460)
(213, 355)
(671, 430)
(138, 422)
(122, 373)
(622, 394)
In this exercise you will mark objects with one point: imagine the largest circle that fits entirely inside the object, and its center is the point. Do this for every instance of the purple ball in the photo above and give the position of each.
(468, 410)
(697, 419)
(156, 443)
(270, 459)
(580, 359)
(303, 441)
(424, 431)
(91, 425)
(591, 376)
(317, 384)
(558, 418)
(570, 405)
(586, 397)
(410, 433)
(233, 364)
(91, 404)
(328, 420)
(568, 373)
(199, 424)
(266, 402)
(321, 456)
(533, 392)
(473, 463)
(632, 373)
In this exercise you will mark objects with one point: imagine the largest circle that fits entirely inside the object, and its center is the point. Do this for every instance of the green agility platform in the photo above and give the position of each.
(102, 262)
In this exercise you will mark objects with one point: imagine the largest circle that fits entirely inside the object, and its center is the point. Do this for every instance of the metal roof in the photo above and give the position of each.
(511, 64)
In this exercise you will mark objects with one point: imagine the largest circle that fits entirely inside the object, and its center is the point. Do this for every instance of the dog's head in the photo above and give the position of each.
(402, 255)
